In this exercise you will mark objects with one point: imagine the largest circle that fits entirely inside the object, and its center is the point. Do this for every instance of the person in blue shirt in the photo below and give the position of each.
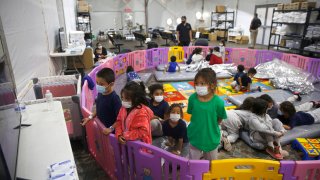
(243, 81)
(172, 66)
(134, 76)
(291, 118)
(159, 107)
(108, 103)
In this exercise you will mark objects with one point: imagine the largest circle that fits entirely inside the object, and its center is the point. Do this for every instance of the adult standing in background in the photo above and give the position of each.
(255, 24)
(184, 32)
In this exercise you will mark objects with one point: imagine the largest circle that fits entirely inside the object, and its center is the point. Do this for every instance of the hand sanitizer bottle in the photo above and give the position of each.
(49, 100)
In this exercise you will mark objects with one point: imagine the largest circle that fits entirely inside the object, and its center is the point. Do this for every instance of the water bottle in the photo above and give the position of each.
(21, 108)
(49, 100)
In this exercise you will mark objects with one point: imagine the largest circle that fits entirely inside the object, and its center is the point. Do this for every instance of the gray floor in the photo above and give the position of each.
(88, 169)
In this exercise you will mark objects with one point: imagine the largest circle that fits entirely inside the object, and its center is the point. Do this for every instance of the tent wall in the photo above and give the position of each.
(31, 28)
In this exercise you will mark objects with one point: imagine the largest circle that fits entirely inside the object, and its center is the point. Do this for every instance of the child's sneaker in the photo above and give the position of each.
(316, 104)
(297, 96)
(226, 144)
(275, 153)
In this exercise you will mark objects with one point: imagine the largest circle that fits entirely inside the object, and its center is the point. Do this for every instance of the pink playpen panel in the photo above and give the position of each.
(263, 56)
(296, 60)
(188, 50)
(120, 64)
(307, 169)
(137, 59)
(287, 169)
(228, 58)
(244, 56)
(153, 57)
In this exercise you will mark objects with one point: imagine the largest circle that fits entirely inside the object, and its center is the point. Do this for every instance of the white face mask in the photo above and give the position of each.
(158, 98)
(175, 117)
(202, 90)
(270, 107)
(100, 47)
(126, 104)
(220, 44)
(279, 112)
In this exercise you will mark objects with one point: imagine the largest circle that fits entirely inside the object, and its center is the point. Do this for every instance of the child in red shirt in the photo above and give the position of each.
(216, 57)
(133, 121)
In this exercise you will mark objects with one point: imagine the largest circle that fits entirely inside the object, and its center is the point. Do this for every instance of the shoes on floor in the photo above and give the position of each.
(226, 144)
(297, 96)
(274, 152)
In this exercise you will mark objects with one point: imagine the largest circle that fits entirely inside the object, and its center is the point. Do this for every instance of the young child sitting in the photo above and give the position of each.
(291, 118)
(108, 102)
(207, 111)
(132, 75)
(215, 56)
(222, 46)
(209, 54)
(243, 81)
(175, 129)
(195, 51)
(197, 56)
(172, 65)
(133, 121)
(236, 119)
(159, 107)
(273, 107)
(263, 129)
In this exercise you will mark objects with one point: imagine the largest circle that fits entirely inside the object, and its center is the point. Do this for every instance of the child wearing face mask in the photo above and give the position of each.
(108, 102)
(263, 129)
(222, 49)
(159, 107)
(175, 129)
(207, 111)
(100, 52)
(133, 121)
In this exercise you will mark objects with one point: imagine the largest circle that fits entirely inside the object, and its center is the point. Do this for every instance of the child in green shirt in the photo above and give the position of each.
(207, 111)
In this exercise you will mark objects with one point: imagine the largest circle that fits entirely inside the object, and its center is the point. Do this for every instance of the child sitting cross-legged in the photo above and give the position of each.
(243, 81)
(175, 129)
(172, 66)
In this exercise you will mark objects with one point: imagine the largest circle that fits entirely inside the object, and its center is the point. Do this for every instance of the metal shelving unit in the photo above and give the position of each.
(223, 21)
(85, 26)
(302, 37)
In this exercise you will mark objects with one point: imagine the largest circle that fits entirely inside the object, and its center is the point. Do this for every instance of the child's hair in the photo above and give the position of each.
(173, 106)
(106, 74)
(173, 58)
(217, 49)
(155, 87)
(130, 69)
(135, 92)
(211, 50)
(98, 43)
(288, 107)
(259, 106)
(207, 74)
(252, 71)
(267, 98)
(247, 104)
(240, 68)
(197, 51)
(223, 42)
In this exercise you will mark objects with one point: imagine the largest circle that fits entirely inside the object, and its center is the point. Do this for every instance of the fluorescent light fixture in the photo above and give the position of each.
(178, 20)
(169, 21)
(198, 15)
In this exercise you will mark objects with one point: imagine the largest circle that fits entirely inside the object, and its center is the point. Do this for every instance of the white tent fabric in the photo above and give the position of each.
(30, 28)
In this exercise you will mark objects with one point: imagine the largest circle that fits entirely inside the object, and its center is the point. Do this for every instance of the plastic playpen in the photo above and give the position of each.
(129, 162)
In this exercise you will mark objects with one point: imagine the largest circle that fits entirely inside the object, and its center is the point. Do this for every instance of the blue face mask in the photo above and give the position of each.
(279, 112)
(101, 89)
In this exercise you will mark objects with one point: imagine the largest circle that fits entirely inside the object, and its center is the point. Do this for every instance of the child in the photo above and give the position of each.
(207, 111)
(263, 129)
(209, 54)
(222, 45)
(197, 56)
(243, 80)
(215, 56)
(159, 107)
(240, 73)
(108, 102)
(132, 75)
(273, 107)
(291, 118)
(172, 65)
(236, 119)
(175, 129)
(100, 52)
(196, 50)
(133, 121)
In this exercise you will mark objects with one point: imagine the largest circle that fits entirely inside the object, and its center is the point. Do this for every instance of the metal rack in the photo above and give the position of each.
(85, 26)
(223, 21)
(304, 41)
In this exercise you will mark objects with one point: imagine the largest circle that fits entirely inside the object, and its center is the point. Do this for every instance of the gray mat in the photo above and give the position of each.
(182, 67)
(277, 95)
(306, 131)
(182, 76)
(122, 80)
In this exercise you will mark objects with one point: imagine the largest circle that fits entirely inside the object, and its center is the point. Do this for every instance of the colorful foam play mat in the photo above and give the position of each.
(179, 92)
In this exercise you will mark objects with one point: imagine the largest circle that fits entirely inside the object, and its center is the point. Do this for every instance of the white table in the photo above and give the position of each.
(43, 143)
(75, 52)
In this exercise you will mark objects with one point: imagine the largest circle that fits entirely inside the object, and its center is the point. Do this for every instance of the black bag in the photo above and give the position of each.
(152, 45)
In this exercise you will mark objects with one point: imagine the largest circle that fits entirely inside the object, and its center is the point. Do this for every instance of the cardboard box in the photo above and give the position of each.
(83, 8)
(279, 6)
(242, 39)
(287, 7)
(213, 37)
(283, 42)
(307, 5)
(295, 6)
(294, 1)
(221, 33)
(83, 3)
(202, 30)
(220, 8)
